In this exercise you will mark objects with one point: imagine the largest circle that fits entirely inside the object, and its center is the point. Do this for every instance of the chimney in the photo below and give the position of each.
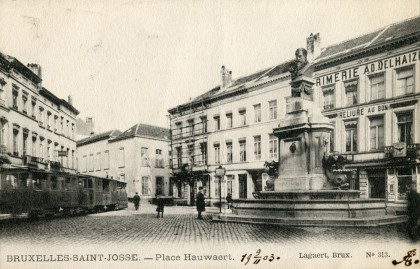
(313, 46)
(70, 99)
(226, 76)
(36, 68)
(90, 125)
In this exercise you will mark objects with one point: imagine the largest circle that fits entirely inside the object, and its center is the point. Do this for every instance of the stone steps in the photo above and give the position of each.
(313, 222)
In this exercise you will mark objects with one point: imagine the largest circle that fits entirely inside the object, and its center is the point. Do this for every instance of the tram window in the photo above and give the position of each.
(90, 185)
(54, 184)
(68, 183)
(11, 182)
(37, 184)
(106, 185)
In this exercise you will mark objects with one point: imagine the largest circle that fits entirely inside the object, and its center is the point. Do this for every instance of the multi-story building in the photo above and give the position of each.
(36, 127)
(138, 156)
(368, 86)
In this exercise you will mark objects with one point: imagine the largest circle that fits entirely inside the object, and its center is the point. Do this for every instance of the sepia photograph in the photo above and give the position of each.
(209, 134)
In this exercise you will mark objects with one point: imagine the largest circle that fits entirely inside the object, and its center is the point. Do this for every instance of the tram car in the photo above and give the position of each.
(51, 192)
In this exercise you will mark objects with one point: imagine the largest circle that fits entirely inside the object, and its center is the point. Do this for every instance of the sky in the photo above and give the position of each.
(128, 62)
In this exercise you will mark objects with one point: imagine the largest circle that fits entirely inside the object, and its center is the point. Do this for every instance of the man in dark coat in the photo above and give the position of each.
(201, 206)
(160, 206)
(136, 200)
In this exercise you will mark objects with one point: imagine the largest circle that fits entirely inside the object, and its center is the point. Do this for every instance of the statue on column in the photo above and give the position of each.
(301, 71)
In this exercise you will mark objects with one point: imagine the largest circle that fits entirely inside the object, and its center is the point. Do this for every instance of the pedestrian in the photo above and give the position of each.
(160, 202)
(229, 200)
(136, 200)
(201, 206)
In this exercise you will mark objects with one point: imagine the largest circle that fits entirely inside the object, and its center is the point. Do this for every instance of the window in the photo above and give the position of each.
(25, 143)
(242, 117)
(257, 113)
(191, 153)
(15, 142)
(203, 148)
(41, 116)
(273, 144)
(332, 138)
(25, 103)
(216, 153)
(121, 157)
(91, 163)
(351, 136)
(351, 92)
(405, 181)
(216, 123)
(272, 105)
(178, 130)
(41, 147)
(377, 86)
(144, 157)
(83, 165)
(257, 147)
(15, 97)
(242, 150)
(98, 161)
(159, 186)
(2, 97)
(229, 183)
(405, 127)
(105, 160)
(145, 185)
(159, 158)
(377, 133)
(229, 157)
(191, 127)
(204, 124)
(328, 93)
(179, 156)
(229, 121)
(33, 103)
(405, 80)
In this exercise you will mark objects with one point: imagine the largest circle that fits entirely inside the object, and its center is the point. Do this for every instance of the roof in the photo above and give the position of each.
(9, 62)
(393, 35)
(384, 36)
(98, 137)
(144, 130)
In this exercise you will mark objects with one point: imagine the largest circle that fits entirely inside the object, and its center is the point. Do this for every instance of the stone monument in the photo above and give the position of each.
(299, 192)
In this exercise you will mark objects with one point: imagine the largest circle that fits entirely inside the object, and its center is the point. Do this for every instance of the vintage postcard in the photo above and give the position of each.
(209, 134)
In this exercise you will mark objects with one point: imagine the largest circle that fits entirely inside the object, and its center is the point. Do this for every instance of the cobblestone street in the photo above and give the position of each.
(179, 226)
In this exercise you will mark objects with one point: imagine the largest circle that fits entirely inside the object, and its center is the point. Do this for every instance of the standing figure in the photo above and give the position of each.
(160, 206)
(136, 200)
(229, 200)
(201, 206)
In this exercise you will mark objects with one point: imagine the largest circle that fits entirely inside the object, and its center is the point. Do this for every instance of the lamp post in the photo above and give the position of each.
(220, 172)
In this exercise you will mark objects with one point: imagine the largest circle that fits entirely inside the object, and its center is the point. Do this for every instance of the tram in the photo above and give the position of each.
(39, 192)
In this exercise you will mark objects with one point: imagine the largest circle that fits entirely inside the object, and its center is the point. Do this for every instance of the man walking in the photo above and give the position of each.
(201, 206)
(136, 200)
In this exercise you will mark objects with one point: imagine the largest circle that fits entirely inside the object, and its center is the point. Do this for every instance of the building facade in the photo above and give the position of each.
(369, 88)
(36, 127)
(138, 156)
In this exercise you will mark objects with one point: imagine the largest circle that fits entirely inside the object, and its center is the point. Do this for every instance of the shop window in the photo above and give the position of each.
(159, 186)
(257, 113)
(405, 80)
(272, 106)
(351, 136)
(328, 93)
(257, 147)
(377, 86)
(405, 181)
(376, 133)
(351, 92)
(405, 127)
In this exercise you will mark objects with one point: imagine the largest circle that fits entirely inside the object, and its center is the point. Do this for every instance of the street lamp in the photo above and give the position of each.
(220, 172)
